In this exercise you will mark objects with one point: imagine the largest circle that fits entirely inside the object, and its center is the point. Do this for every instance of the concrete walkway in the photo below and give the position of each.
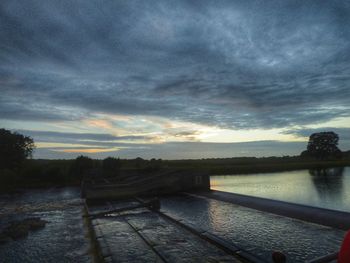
(142, 235)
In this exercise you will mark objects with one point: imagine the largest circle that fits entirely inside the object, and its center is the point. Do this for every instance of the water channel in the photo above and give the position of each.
(328, 188)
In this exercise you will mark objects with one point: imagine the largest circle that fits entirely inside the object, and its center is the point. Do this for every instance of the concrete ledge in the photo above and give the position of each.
(326, 217)
(222, 242)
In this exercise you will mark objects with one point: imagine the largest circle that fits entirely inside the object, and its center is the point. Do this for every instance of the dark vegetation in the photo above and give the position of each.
(323, 146)
(14, 149)
(19, 172)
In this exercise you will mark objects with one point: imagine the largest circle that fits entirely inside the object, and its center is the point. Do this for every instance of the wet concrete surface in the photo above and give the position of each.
(145, 236)
(120, 243)
(63, 239)
(257, 232)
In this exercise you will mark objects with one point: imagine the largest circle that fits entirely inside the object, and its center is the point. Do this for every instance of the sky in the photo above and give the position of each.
(174, 79)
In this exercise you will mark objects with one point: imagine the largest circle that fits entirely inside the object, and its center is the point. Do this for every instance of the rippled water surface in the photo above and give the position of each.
(254, 231)
(63, 238)
(328, 188)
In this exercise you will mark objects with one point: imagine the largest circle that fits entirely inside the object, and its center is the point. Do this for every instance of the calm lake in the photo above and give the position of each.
(328, 188)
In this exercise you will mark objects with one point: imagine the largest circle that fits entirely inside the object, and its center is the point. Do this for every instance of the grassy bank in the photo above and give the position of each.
(38, 174)
(49, 173)
(254, 165)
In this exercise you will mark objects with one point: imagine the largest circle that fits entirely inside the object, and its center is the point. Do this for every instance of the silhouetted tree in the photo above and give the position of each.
(323, 145)
(14, 148)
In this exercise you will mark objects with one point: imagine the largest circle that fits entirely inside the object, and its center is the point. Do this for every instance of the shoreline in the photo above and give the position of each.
(261, 168)
(215, 167)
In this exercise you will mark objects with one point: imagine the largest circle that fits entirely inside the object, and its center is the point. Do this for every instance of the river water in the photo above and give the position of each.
(329, 188)
(64, 237)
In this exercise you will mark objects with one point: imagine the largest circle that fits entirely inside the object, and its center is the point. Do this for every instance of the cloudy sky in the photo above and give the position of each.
(174, 79)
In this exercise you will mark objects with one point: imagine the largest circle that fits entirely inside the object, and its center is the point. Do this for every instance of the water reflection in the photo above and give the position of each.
(328, 183)
(327, 188)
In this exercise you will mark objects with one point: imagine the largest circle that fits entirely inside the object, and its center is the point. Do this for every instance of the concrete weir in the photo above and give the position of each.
(141, 184)
(129, 229)
(326, 217)
(146, 234)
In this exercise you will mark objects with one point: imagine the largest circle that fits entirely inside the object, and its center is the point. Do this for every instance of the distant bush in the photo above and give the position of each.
(46, 173)
(81, 167)
(111, 166)
(8, 179)
(54, 175)
(153, 165)
(31, 171)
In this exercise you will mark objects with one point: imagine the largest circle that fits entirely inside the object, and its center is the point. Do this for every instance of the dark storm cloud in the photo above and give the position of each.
(49, 136)
(20, 108)
(344, 133)
(243, 64)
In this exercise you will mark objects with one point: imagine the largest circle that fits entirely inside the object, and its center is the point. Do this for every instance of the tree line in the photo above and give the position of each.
(17, 169)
